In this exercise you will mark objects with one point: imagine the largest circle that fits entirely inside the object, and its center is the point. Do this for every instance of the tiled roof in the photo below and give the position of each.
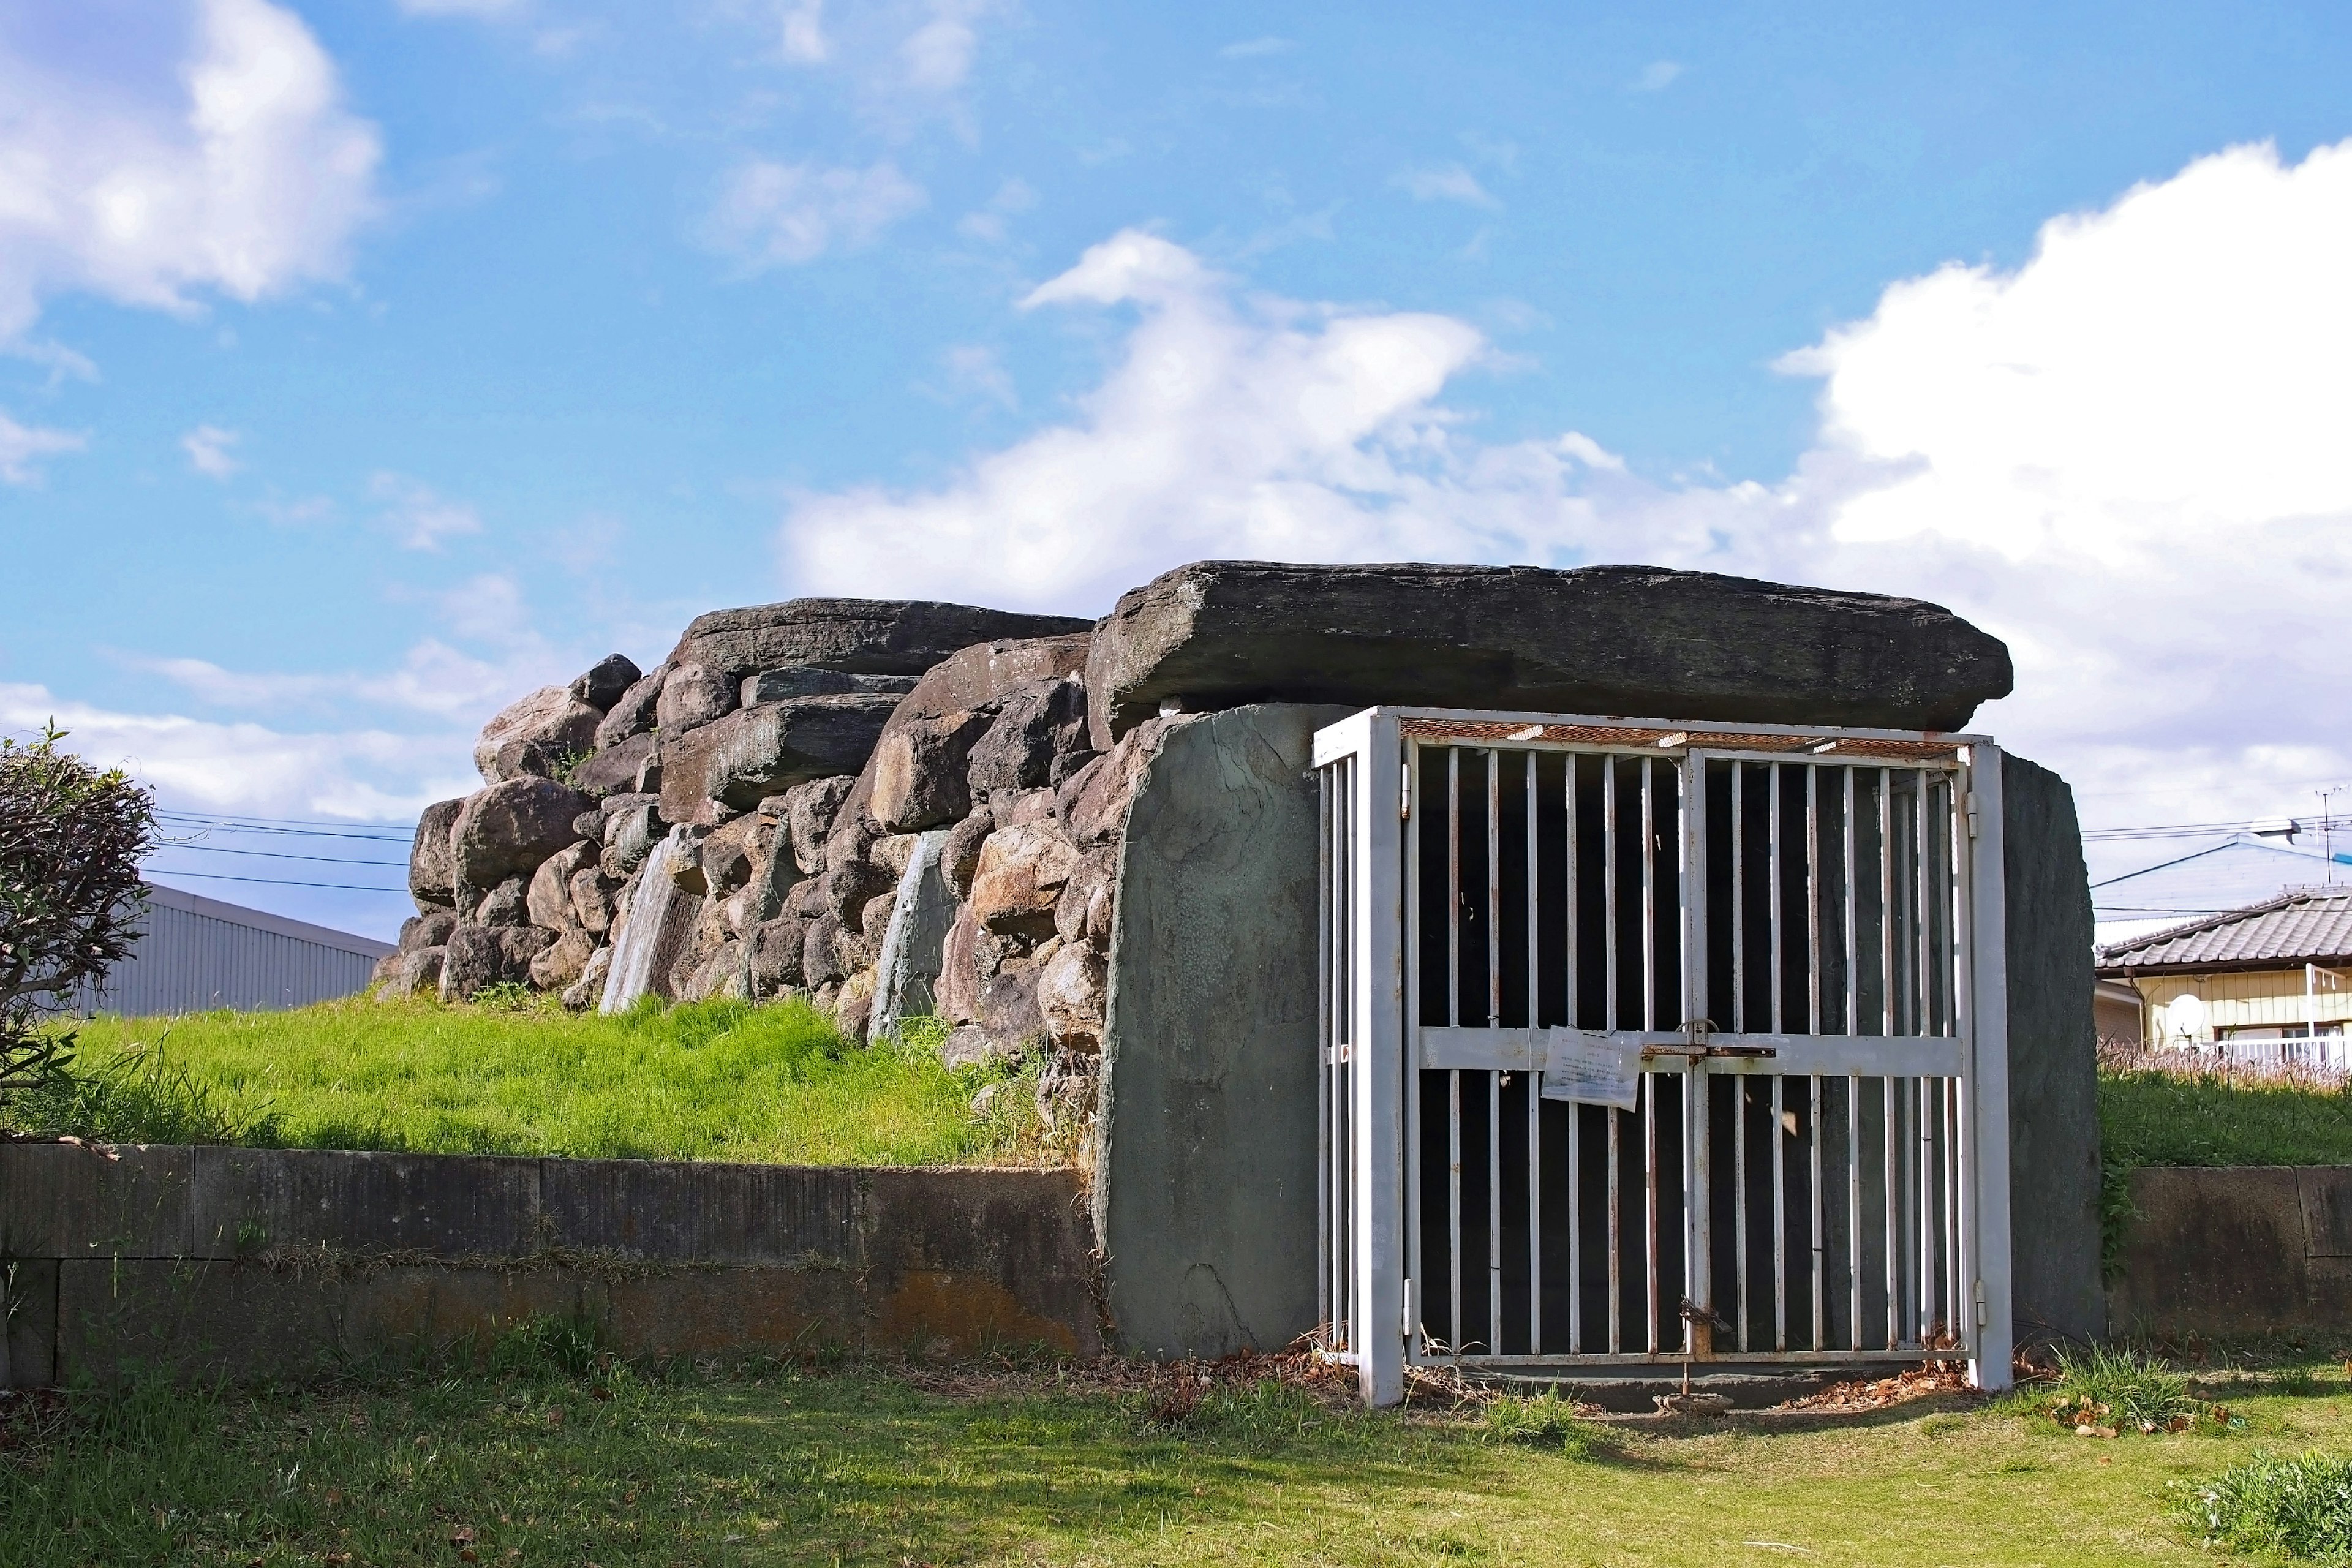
(2309, 926)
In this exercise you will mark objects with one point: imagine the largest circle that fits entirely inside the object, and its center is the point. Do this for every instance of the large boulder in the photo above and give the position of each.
(428, 930)
(808, 681)
(606, 681)
(431, 859)
(1038, 721)
(509, 828)
(1634, 640)
(755, 753)
(919, 772)
(695, 696)
(547, 900)
(549, 723)
(1072, 988)
(635, 711)
(856, 636)
(809, 811)
(482, 956)
(1020, 878)
(614, 770)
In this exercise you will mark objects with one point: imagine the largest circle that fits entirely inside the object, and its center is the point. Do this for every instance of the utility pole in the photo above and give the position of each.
(2328, 829)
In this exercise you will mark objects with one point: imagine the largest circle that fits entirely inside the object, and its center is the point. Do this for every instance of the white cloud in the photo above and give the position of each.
(460, 7)
(418, 513)
(238, 171)
(195, 764)
(207, 446)
(1442, 182)
(801, 24)
(1015, 196)
(1256, 48)
(783, 214)
(22, 446)
(1657, 76)
(975, 368)
(2124, 457)
(938, 53)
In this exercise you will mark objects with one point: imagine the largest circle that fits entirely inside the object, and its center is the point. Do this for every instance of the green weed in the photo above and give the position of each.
(138, 1094)
(2121, 1389)
(2299, 1508)
(1544, 1421)
(2150, 1117)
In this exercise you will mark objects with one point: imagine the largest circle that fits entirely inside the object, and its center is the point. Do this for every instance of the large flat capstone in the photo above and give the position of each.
(856, 636)
(1632, 640)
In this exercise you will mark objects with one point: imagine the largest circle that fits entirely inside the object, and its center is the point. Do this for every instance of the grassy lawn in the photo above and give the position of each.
(715, 1080)
(2148, 1117)
(890, 1466)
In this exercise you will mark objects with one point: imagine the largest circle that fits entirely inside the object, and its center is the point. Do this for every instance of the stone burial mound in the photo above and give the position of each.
(899, 808)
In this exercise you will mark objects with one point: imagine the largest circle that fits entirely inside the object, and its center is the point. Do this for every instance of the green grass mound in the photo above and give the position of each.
(2299, 1509)
(710, 1080)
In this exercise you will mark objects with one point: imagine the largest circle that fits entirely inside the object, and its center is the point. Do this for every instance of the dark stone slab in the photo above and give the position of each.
(707, 1213)
(1629, 640)
(858, 637)
(63, 1200)
(2053, 1090)
(251, 1201)
(1204, 1188)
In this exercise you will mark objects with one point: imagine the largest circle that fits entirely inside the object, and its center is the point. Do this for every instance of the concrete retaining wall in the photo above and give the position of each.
(2239, 1251)
(267, 1262)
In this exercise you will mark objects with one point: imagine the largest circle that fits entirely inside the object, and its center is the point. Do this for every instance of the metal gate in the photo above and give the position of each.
(1778, 949)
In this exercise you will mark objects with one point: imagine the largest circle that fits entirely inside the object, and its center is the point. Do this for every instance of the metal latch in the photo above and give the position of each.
(1698, 1047)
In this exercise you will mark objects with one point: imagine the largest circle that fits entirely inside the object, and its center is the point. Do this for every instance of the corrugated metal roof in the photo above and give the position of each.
(2299, 928)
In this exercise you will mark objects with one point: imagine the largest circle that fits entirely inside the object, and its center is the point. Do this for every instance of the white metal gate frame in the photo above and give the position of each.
(1368, 1204)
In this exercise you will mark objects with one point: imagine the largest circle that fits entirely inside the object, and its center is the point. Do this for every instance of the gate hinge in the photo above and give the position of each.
(1404, 794)
(1973, 821)
(1984, 1308)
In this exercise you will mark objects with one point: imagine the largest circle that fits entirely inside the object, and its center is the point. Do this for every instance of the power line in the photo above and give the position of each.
(281, 855)
(170, 820)
(277, 821)
(283, 882)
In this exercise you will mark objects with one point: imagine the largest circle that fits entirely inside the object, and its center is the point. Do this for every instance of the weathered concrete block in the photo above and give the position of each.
(192, 1318)
(422, 1306)
(62, 1200)
(723, 1311)
(704, 1212)
(2229, 1252)
(450, 1206)
(28, 1325)
(2053, 1090)
(980, 1257)
(1205, 1189)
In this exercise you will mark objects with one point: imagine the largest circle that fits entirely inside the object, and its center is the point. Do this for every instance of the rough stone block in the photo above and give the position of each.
(858, 636)
(706, 1212)
(30, 1325)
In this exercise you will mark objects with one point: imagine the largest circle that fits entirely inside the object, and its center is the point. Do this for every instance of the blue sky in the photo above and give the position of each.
(369, 364)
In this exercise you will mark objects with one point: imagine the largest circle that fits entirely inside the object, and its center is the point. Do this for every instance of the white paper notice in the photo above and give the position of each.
(1588, 1066)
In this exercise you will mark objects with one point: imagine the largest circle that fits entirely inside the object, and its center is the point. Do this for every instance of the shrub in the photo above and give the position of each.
(2298, 1508)
(71, 837)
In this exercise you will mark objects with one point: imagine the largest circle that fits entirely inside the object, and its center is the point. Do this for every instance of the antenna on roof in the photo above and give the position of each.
(2328, 829)
(2284, 827)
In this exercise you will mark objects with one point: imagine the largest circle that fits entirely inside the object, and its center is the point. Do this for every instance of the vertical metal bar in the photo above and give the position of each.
(1326, 1151)
(1687, 778)
(1772, 918)
(1494, 1021)
(1821, 1213)
(1893, 1183)
(1852, 1017)
(1535, 1083)
(1576, 1227)
(1454, 1206)
(1416, 1271)
(1780, 1219)
(1649, 906)
(1919, 894)
(1926, 1208)
(1886, 902)
(1609, 888)
(1986, 1154)
(1854, 1207)
(1616, 1248)
(1739, 1190)
(1649, 1205)
(1738, 1019)
(1454, 893)
(1813, 900)
(1575, 996)
(1950, 1091)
